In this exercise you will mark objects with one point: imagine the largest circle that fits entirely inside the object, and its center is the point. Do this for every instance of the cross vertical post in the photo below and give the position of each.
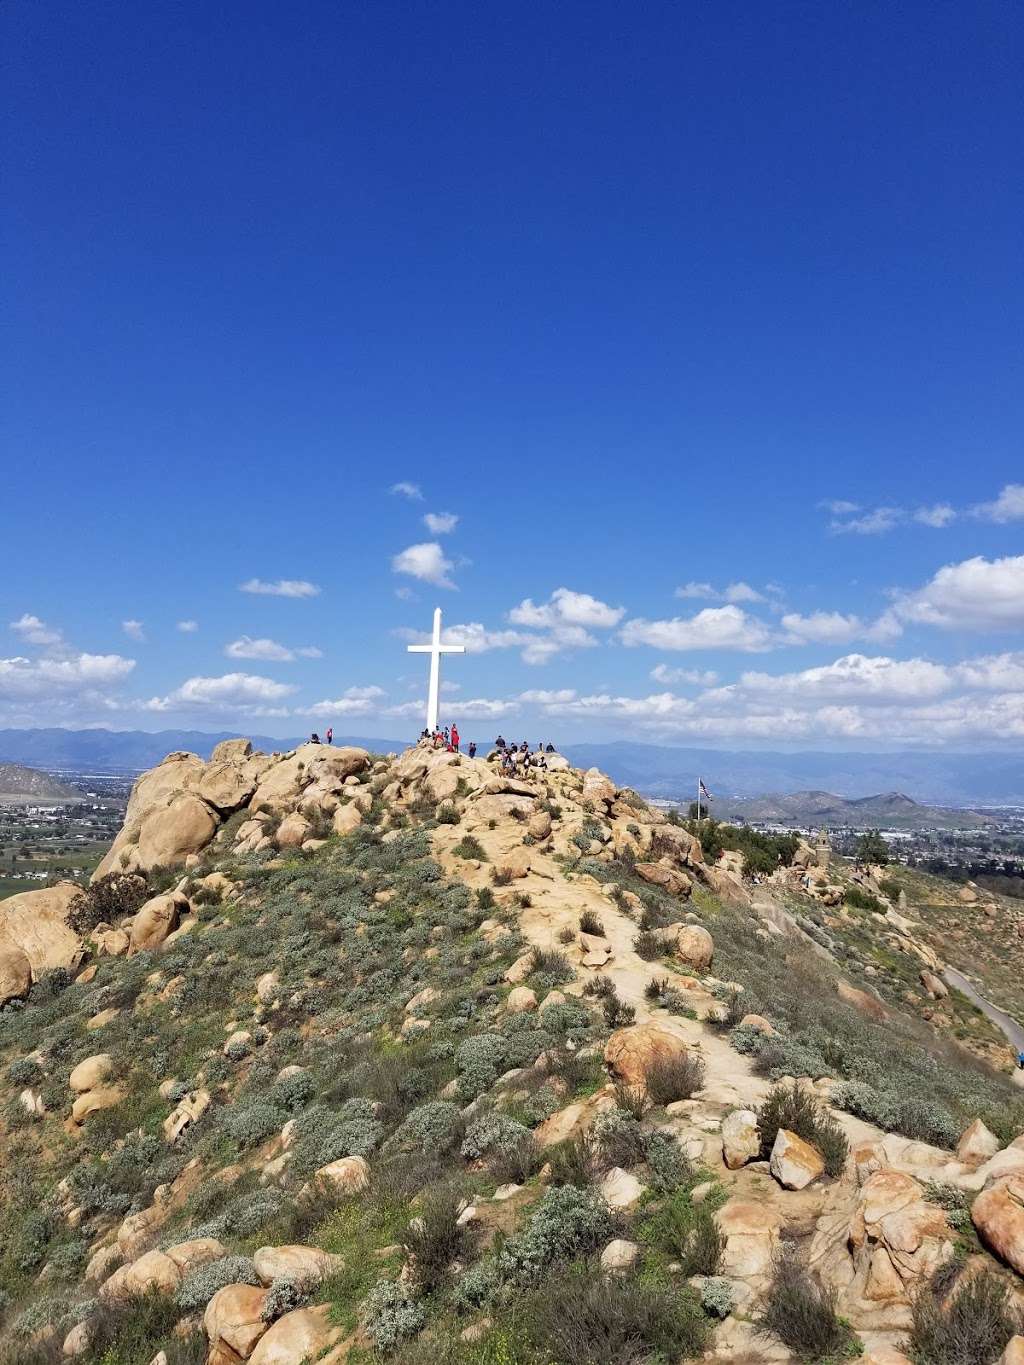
(435, 649)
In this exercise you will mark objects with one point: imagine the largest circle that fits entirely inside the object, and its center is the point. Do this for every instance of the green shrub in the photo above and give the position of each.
(688, 1233)
(567, 1222)
(716, 1297)
(507, 1145)
(435, 1126)
(106, 901)
(648, 946)
(283, 1296)
(198, 1287)
(801, 1312)
(469, 846)
(590, 923)
(674, 1078)
(795, 1108)
(581, 1317)
(862, 900)
(390, 1315)
(434, 1237)
(971, 1324)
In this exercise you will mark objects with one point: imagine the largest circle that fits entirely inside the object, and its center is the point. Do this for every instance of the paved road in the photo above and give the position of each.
(1010, 1026)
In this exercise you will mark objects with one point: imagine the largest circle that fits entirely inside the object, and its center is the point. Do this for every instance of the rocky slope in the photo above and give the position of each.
(354, 1057)
(28, 786)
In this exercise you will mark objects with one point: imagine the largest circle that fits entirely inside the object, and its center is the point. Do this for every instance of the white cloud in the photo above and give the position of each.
(405, 489)
(473, 636)
(41, 678)
(839, 507)
(440, 523)
(996, 672)
(834, 628)
(36, 632)
(539, 696)
(133, 629)
(566, 607)
(854, 677)
(188, 627)
(940, 514)
(269, 650)
(485, 708)
(354, 701)
(426, 562)
(283, 587)
(713, 628)
(230, 692)
(873, 523)
(734, 592)
(976, 594)
(1008, 506)
(666, 674)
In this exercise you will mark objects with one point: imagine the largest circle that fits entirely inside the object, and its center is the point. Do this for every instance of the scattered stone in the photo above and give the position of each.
(301, 1264)
(741, 1142)
(976, 1144)
(621, 1189)
(348, 1175)
(521, 1000)
(794, 1163)
(619, 1256)
(998, 1215)
(233, 1319)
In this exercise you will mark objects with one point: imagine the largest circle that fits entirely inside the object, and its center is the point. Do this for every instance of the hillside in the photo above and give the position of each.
(29, 786)
(363, 1059)
(891, 810)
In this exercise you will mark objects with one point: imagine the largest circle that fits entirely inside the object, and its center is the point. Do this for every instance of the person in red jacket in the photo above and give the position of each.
(455, 739)
(330, 734)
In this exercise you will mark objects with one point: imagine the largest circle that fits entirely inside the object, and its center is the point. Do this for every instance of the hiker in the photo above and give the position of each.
(499, 743)
(472, 748)
(455, 738)
(551, 748)
(1020, 1061)
(314, 738)
(330, 734)
(438, 740)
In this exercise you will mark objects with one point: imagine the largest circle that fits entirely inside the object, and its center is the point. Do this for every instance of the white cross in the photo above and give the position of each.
(435, 649)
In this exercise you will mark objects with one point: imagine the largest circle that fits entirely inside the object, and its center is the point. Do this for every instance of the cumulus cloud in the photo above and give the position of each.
(565, 607)
(854, 677)
(36, 632)
(478, 708)
(354, 701)
(734, 592)
(713, 628)
(426, 562)
(539, 696)
(133, 629)
(975, 594)
(699, 677)
(41, 678)
(1008, 506)
(283, 587)
(245, 692)
(405, 489)
(188, 627)
(440, 523)
(268, 650)
(835, 628)
(940, 514)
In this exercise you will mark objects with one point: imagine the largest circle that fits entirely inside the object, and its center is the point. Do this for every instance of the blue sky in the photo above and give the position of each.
(674, 350)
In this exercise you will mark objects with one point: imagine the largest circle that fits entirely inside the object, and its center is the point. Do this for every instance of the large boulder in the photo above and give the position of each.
(695, 946)
(998, 1215)
(92, 1072)
(154, 1270)
(168, 836)
(302, 1335)
(300, 1264)
(154, 791)
(794, 1162)
(36, 923)
(630, 1053)
(751, 1231)
(15, 973)
(977, 1143)
(227, 785)
(741, 1141)
(347, 1175)
(157, 918)
(670, 879)
(234, 1318)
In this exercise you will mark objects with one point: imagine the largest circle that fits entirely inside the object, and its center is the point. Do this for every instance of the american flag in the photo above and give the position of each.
(703, 790)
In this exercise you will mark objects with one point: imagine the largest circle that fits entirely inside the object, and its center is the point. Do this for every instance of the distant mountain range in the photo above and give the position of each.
(944, 779)
(27, 786)
(890, 810)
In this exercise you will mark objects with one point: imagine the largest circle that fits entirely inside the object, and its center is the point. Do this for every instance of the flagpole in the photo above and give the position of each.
(698, 800)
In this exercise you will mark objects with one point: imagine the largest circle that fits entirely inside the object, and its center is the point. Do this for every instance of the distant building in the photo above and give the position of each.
(823, 849)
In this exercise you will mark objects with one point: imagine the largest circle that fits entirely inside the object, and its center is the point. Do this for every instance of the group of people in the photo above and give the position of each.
(449, 739)
(327, 739)
(514, 757)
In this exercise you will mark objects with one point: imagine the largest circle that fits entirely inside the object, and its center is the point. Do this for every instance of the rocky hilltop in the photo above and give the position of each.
(28, 786)
(353, 1057)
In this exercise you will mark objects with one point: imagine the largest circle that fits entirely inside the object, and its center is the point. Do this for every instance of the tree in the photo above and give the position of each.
(872, 848)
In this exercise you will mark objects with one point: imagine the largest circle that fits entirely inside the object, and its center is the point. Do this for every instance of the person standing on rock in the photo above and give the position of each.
(499, 743)
(472, 748)
(330, 734)
(455, 738)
